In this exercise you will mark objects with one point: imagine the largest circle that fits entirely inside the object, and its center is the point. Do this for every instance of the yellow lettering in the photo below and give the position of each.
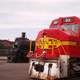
(45, 42)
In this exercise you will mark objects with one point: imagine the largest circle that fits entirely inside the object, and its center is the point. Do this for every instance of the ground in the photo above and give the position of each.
(16, 71)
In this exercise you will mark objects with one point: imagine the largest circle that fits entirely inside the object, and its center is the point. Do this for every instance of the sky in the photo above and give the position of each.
(31, 16)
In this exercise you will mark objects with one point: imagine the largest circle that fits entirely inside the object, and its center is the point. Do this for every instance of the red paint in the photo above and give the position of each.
(62, 35)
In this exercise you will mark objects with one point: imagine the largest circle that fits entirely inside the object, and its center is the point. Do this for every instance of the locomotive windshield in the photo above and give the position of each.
(72, 27)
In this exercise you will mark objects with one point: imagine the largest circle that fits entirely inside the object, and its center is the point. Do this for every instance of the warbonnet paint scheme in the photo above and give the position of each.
(57, 50)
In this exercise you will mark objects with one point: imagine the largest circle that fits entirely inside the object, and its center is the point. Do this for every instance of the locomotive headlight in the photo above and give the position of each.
(44, 52)
(41, 63)
(55, 22)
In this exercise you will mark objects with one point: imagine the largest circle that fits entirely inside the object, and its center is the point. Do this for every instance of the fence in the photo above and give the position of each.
(5, 52)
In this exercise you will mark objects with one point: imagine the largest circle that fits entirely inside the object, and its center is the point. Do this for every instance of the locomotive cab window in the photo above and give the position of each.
(72, 27)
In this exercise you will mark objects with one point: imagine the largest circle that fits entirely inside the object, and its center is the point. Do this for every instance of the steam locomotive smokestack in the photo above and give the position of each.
(23, 34)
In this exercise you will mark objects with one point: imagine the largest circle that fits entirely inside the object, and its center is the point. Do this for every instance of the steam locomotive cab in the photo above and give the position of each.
(56, 50)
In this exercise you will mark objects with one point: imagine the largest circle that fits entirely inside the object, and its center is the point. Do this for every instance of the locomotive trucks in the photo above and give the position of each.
(57, 50)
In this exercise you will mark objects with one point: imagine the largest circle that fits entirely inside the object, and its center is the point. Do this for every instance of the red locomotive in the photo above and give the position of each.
(57, 50)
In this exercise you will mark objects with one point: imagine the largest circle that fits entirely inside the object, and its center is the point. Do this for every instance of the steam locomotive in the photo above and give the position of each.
(20, 49)
(57, 50)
